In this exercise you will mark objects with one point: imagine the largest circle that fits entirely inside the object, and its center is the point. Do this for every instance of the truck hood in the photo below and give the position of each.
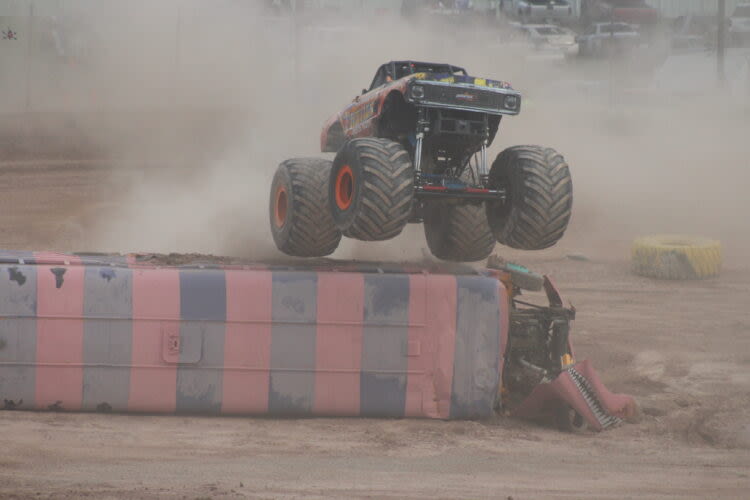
(560, 40)
(460, 80)
(624, 34)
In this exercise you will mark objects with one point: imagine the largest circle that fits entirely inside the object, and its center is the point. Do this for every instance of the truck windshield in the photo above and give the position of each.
(407, 68)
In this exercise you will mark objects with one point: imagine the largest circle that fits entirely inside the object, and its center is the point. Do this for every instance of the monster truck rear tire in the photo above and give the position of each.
(539, 200)
(676, 257)
(458, 233)
(301, 222)
(371, 189)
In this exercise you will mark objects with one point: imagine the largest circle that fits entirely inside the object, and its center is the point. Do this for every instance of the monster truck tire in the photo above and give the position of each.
(458, 233)
(371, 189)
(676, 257)
(539, 200)
(301, 223)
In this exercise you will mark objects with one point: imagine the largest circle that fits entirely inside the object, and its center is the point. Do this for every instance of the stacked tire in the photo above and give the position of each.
(676, 257)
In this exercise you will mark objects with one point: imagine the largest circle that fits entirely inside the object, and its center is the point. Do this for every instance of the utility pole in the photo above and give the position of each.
(611, 49)
(177, 63)
(297, 44)
(29, 56)
(721, 45)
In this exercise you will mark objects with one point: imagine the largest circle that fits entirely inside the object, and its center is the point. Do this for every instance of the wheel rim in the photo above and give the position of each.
(576, 420)
(279, 212)
(344, 188)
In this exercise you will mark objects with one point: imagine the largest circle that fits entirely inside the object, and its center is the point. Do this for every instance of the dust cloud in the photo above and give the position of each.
(210, 96)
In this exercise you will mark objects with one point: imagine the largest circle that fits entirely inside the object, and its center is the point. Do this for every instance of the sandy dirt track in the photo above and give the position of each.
(682, 348)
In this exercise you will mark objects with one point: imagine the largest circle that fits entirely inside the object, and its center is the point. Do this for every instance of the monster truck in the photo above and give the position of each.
(413, 148)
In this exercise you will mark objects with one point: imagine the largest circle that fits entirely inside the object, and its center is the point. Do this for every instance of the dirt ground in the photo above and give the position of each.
(681, 348)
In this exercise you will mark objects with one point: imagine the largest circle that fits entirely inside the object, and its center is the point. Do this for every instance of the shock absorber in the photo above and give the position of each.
(418, 154)
(483, 171)
(483, 175)
(423, 126)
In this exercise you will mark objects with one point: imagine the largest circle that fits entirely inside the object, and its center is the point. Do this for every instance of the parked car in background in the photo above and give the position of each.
(548, 37)
(602, 39)
(535, 11)
(739, 25)
(693, 32)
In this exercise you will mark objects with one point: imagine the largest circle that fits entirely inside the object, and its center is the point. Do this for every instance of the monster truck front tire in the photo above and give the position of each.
(301, 223)
(371, 189)
(539, 197)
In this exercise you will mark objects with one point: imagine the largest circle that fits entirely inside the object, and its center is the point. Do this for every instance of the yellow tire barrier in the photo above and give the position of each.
(676, 257)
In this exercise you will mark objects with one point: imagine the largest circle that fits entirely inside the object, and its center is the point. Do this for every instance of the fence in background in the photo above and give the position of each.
(670, 9)
(111, 55)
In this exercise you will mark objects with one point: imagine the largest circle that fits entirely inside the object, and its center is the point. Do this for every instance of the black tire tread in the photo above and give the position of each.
(541, 210)
(459, 233)
(312, 232)
(387, 190)
(466, 237)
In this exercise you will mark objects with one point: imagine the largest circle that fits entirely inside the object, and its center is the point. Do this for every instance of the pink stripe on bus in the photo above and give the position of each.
(420, 399)
(439, 340)
(247, 342)
(156, 329)
(59, 352)
(338, 347)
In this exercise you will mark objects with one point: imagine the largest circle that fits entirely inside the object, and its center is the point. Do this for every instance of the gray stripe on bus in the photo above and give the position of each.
(294, 313)
(476, 359)
(107, 337)
(203, 312)
(385, 337)
(18, 303)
